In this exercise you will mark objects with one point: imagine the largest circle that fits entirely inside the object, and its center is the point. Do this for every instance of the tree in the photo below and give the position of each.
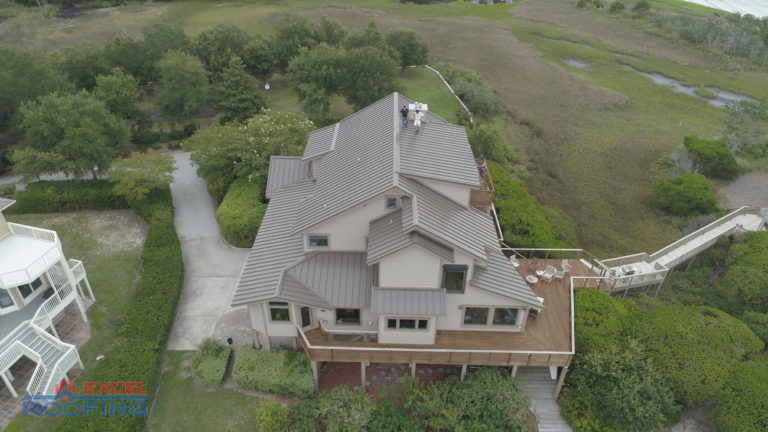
(316, 75)
(489, 140)
(77, 128)
(258, 59)
(160, 38)
(214, 46)
(34, 163)
(333, 33)
(744, 287)
(183, 87)
(685, 195)
(83, 63)
(239, 93)
(370, 36)
(621, 388)
(694, 347)
(481, 98)
(120, 93)
(293, 33)
(368, 76)
(743, 403)
(139, 175)
(131, 56)
(24, 75)
(410, 47)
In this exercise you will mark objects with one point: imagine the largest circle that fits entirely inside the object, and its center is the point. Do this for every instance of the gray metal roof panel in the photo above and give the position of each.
(294, 291)
(441, 152)
(386, 236)
(408, 301)
(320, 142)
(284, 171)
(501, 277)
(274, 248)
(343, 279)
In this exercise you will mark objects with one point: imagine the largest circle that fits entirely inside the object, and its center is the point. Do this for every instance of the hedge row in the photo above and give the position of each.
(275, 371)
(211, 362)
(137, 353)
(241, 212)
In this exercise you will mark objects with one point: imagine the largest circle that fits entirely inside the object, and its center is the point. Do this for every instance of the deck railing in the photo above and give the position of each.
(65, 363)
(362, 334)
(482, 198)
(594, 264)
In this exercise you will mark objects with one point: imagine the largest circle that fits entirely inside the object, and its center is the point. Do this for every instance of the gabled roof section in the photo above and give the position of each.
(408, 301)
(386, 236)
(320, 142)
(5, 203)
(462, 226)
(502, 278)
(440, 151)
(285, 171)
(274, 248)
(293, 290)
(342, 279)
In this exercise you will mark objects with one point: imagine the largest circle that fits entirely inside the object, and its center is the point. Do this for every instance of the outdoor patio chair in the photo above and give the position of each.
(515, 262)
(559, 274)
(566, 267)
(549, 273)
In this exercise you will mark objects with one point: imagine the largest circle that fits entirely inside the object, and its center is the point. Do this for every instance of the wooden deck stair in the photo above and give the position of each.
(540, 387)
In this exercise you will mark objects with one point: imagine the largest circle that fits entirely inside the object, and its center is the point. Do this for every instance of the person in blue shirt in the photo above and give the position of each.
(404, 115)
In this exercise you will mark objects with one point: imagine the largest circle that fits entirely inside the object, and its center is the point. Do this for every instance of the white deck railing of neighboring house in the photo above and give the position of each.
(42, 263)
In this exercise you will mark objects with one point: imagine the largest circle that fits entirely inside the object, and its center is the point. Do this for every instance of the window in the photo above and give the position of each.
(25, 290)
(453, 278)
(407, 324)
(5, 299)
(392, 203)
(476, 316)
(306, 316)
(318, 241)
(504, 317)
(278, 312)
(347, 316)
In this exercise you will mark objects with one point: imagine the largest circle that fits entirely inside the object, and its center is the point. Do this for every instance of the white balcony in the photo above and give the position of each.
(26, 254)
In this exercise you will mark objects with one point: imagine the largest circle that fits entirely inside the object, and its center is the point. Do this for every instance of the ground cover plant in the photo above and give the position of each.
(273, 371)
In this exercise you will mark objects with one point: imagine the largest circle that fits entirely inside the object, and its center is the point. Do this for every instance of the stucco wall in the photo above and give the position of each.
(412, 267)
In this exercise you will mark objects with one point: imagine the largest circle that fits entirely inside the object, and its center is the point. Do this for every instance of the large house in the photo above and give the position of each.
(36, 284)
(378, 245)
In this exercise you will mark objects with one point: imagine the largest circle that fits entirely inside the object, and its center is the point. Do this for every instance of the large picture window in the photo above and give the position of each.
(476, 316)
(489, 316)
(279, 312)
(454, 278)
(347, 316)
(505, 317)
(407, 324)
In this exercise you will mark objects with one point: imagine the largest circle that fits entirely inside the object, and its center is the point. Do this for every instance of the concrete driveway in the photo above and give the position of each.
(211, 265)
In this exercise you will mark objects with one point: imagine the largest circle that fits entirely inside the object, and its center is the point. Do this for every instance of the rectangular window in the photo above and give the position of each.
(347, 316)
(505, 317)
(25, 290)
(278, 312)
(318, 241)
(37, 283)
(407, 324)
(454, 277)
(5, 299)
(476, 316)
(392, 203)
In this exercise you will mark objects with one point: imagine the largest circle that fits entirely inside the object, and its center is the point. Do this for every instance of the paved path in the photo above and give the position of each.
(211, 265)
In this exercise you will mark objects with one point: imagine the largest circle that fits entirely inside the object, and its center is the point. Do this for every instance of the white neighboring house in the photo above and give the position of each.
(36, 284)
(378, 245)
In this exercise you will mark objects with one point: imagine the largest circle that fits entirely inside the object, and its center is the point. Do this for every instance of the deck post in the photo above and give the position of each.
(55, 333)
(514, 371)
(295, 343)
(7, 382)
(313, 365)
(413, 369)
(560, 381)
(463, 372)
(362, 374)
(88, 285)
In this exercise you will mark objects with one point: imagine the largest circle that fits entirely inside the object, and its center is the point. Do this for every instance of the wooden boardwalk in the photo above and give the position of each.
(540, 387)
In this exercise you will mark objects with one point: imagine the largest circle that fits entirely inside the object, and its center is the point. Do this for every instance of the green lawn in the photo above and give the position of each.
(423, 85)
(109, 244)
(183, 406)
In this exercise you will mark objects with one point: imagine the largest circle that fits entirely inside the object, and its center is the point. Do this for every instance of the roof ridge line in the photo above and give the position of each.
(335, 134)
(395, 144)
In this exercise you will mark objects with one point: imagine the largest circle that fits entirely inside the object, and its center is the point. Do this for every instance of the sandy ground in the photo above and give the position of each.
(751, 189)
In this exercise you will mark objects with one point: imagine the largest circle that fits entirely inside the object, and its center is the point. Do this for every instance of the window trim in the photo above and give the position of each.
(489, 325)
(327, 239)
(455, 268)
(416, 320)
(275, 305)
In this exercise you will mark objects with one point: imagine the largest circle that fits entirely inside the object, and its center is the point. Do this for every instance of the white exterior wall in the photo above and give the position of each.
(455, 191)
(281, 329)
(412, 267)
(256, 312)
(420, 337)
(454, 315)
(348, 230)
(328, 317)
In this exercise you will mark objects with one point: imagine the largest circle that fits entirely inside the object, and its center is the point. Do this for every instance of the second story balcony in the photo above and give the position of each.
(26, 253)
(482, 198)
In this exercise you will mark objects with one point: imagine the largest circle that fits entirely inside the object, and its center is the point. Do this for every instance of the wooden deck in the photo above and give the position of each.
(546, 340)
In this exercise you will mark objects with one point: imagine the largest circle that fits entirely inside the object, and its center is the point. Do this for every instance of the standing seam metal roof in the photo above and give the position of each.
(386, 236)
(501, 277)
(5, 203)
(343, 279)
(320, 142)
(408, 301)
(441, 152)
(284, 171)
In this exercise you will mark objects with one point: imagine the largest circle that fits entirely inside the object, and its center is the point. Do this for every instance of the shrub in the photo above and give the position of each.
(705, 93)
(616, 7)
(744, 287)
(489, 140)
(218, 182)
(581, 4)
(240, 214)
(174, 145)
(480, 98)
(7, 188)
(342, 410)
(189, 129)
(271, 417)
(387, 418)
(602, 321)
(145, 137)
(621, 390)
(522, 220)
(712, 158)
(642, 7)
(274, 371)
(66, 196)
(695, 347)
(685, 195)
(743, 403)
(580, 414)
(211, 362)
(758, 323)
(304, 416)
